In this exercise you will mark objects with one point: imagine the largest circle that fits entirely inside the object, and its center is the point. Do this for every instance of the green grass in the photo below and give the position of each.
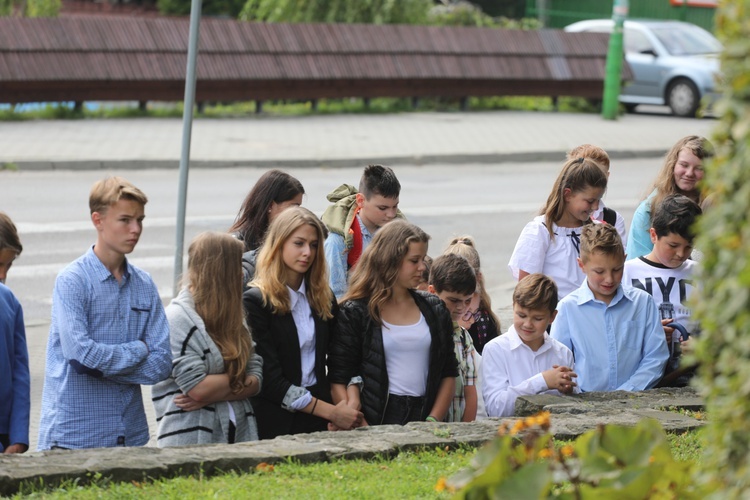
(409, 475)
(298, 108)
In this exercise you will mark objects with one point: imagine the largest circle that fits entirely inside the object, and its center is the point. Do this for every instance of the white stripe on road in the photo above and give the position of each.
(436, 211)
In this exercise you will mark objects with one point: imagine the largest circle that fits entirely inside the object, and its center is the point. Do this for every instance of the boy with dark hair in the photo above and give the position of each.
(354, 218)
(15, 386)
(109, 334)
(453, 280)
(666, 272)
(613, 331)
(526, 360)
(10, 245)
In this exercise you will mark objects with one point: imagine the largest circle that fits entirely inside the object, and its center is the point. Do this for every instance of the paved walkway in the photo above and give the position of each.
(336, 140)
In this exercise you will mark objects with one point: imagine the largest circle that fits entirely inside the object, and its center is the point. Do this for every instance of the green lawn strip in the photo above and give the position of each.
(379, 105)
(409, 475)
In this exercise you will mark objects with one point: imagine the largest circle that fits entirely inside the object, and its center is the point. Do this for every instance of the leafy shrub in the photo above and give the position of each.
(724, 238)
(337, 11)
(609, 462)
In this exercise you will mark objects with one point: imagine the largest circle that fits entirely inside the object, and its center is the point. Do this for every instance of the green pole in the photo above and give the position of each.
(610, 102)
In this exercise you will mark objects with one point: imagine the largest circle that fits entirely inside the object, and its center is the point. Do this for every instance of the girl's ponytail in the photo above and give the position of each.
(578, 174)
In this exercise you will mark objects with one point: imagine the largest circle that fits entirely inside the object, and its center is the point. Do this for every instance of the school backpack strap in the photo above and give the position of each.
(355, 252)
(609, 216)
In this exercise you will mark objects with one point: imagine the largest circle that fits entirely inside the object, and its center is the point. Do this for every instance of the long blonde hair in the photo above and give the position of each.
(378, 268)
(466, 248)
(270, 269)
(665, 184)
(215, 282)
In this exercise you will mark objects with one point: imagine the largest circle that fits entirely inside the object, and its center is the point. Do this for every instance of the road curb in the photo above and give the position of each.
(453, 159)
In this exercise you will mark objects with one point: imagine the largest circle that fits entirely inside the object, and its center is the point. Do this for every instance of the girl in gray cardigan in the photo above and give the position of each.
(215, 369)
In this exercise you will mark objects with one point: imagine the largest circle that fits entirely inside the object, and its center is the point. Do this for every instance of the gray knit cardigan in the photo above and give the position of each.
(195, 355)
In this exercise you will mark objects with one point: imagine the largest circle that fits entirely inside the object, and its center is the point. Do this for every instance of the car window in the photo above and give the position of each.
(636, 41)
(681, 40)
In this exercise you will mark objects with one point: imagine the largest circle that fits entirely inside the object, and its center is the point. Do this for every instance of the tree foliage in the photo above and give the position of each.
(30, 8)
(221, 8)
(724, 300)
(337, 11)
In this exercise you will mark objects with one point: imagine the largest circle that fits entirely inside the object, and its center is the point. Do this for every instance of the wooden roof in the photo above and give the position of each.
(85, 58)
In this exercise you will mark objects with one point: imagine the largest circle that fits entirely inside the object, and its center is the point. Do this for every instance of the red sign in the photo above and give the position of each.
(711, 4)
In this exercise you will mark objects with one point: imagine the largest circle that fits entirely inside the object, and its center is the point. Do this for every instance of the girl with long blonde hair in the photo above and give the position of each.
(681, 174)
(215, 369)
(392, 355)
(290, 309)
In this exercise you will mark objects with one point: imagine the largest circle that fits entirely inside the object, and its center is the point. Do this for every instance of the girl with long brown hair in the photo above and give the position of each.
(291, 311)
(550, 243)
(215, 370)
(392, 355)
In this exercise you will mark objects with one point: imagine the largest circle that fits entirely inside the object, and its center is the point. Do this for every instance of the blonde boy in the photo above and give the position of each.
(109, 334)
(613, 331)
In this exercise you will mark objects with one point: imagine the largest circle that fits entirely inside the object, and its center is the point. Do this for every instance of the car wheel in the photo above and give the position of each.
(630, 108)
(683, 97)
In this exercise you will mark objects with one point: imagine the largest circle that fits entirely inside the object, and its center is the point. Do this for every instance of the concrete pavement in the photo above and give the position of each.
(336, 140)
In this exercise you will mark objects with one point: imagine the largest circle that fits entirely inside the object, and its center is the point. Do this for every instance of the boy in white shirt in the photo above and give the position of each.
(526, 360)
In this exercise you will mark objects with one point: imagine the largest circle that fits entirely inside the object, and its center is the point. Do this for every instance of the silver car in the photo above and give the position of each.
(673, 63)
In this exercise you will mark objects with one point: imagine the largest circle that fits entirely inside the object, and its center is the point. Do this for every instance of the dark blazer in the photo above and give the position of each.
(277, 343)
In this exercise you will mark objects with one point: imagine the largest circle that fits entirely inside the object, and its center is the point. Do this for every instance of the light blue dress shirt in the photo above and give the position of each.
(106, 338)
(336, 254)
(616, 346)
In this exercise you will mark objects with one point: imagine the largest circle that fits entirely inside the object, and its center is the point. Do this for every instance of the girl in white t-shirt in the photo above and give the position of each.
(549, 244)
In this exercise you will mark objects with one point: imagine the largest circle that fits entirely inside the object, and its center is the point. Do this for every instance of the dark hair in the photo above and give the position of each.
(676, 214)
(452, 273)
(602, 238)
(381, 180)
(252, 220)
(427, 267)
(577, 175)
(536, 291)
(9, 235)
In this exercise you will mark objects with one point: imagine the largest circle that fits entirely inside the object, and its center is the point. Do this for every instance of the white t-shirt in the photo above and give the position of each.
(670, 287)
(619, 222)
(535, 252)
(511, 369)
(407, 357)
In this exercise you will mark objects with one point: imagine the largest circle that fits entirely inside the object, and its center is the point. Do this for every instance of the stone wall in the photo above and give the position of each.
(571, 416)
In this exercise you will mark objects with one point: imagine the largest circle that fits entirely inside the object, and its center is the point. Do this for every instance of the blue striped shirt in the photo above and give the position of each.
(106, 338)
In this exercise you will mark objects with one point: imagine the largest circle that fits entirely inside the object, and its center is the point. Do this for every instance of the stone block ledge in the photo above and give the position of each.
(571, 417)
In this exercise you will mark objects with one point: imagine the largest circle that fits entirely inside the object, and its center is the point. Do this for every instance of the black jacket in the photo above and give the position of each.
(276, 341)
(357, 349)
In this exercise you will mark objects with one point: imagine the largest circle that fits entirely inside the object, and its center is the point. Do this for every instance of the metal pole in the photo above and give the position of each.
(613, 76)
(187, 127)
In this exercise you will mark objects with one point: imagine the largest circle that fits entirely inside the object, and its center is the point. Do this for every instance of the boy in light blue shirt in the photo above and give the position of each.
(613, 331)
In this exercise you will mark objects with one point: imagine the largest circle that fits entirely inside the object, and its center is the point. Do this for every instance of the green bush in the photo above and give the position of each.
(609, 462)
(337, 11)
(723, 305)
